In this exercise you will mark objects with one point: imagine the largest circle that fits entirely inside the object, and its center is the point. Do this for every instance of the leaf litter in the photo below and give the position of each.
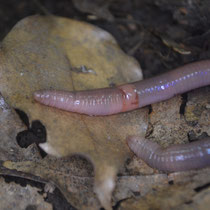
(40, 53)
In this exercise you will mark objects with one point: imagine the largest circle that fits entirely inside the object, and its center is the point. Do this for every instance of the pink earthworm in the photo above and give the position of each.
(180, 157)
(107, 101)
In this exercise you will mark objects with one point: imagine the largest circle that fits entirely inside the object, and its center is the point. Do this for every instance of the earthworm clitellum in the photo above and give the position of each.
(107, 101)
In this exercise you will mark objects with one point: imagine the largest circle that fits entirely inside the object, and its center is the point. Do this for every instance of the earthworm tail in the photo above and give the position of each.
(127, 97)
(180, 157)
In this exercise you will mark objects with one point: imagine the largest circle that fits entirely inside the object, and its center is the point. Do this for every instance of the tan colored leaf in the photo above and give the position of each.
(40, 53)
(14, 196)
(77, 186)
(10, 125)
(169, 126)
(184, 193)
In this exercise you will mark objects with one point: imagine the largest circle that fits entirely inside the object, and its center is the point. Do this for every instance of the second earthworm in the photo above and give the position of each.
(180, 157)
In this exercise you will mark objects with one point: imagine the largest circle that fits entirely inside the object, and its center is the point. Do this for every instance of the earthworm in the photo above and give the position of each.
(180, 157)
(107, 101)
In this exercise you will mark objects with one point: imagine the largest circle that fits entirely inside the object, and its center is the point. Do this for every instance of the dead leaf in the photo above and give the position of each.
(170, 125)
(38, 54)
(30, 197)
(182, 194)
(99, 8)
(177, 47)
(10, 125)
(76, 185)
(197, 110)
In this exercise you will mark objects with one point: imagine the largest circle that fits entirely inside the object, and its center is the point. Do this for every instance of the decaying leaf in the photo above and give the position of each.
(99, 8)
(39, 53)
(180, 194)
(10, 125)
(28, 197)
(175, 121)
(177, 47)
(76, 185)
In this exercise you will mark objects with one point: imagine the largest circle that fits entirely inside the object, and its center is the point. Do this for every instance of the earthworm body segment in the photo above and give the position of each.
(107, 101)
(180, 157)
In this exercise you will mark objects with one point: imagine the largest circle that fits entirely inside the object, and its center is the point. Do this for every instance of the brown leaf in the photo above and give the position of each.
(172, 125)
(99, 8)
(39, 53)
(183, 194)
(11, 193)
(10, 125)
(70, 175)
(177, 47)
